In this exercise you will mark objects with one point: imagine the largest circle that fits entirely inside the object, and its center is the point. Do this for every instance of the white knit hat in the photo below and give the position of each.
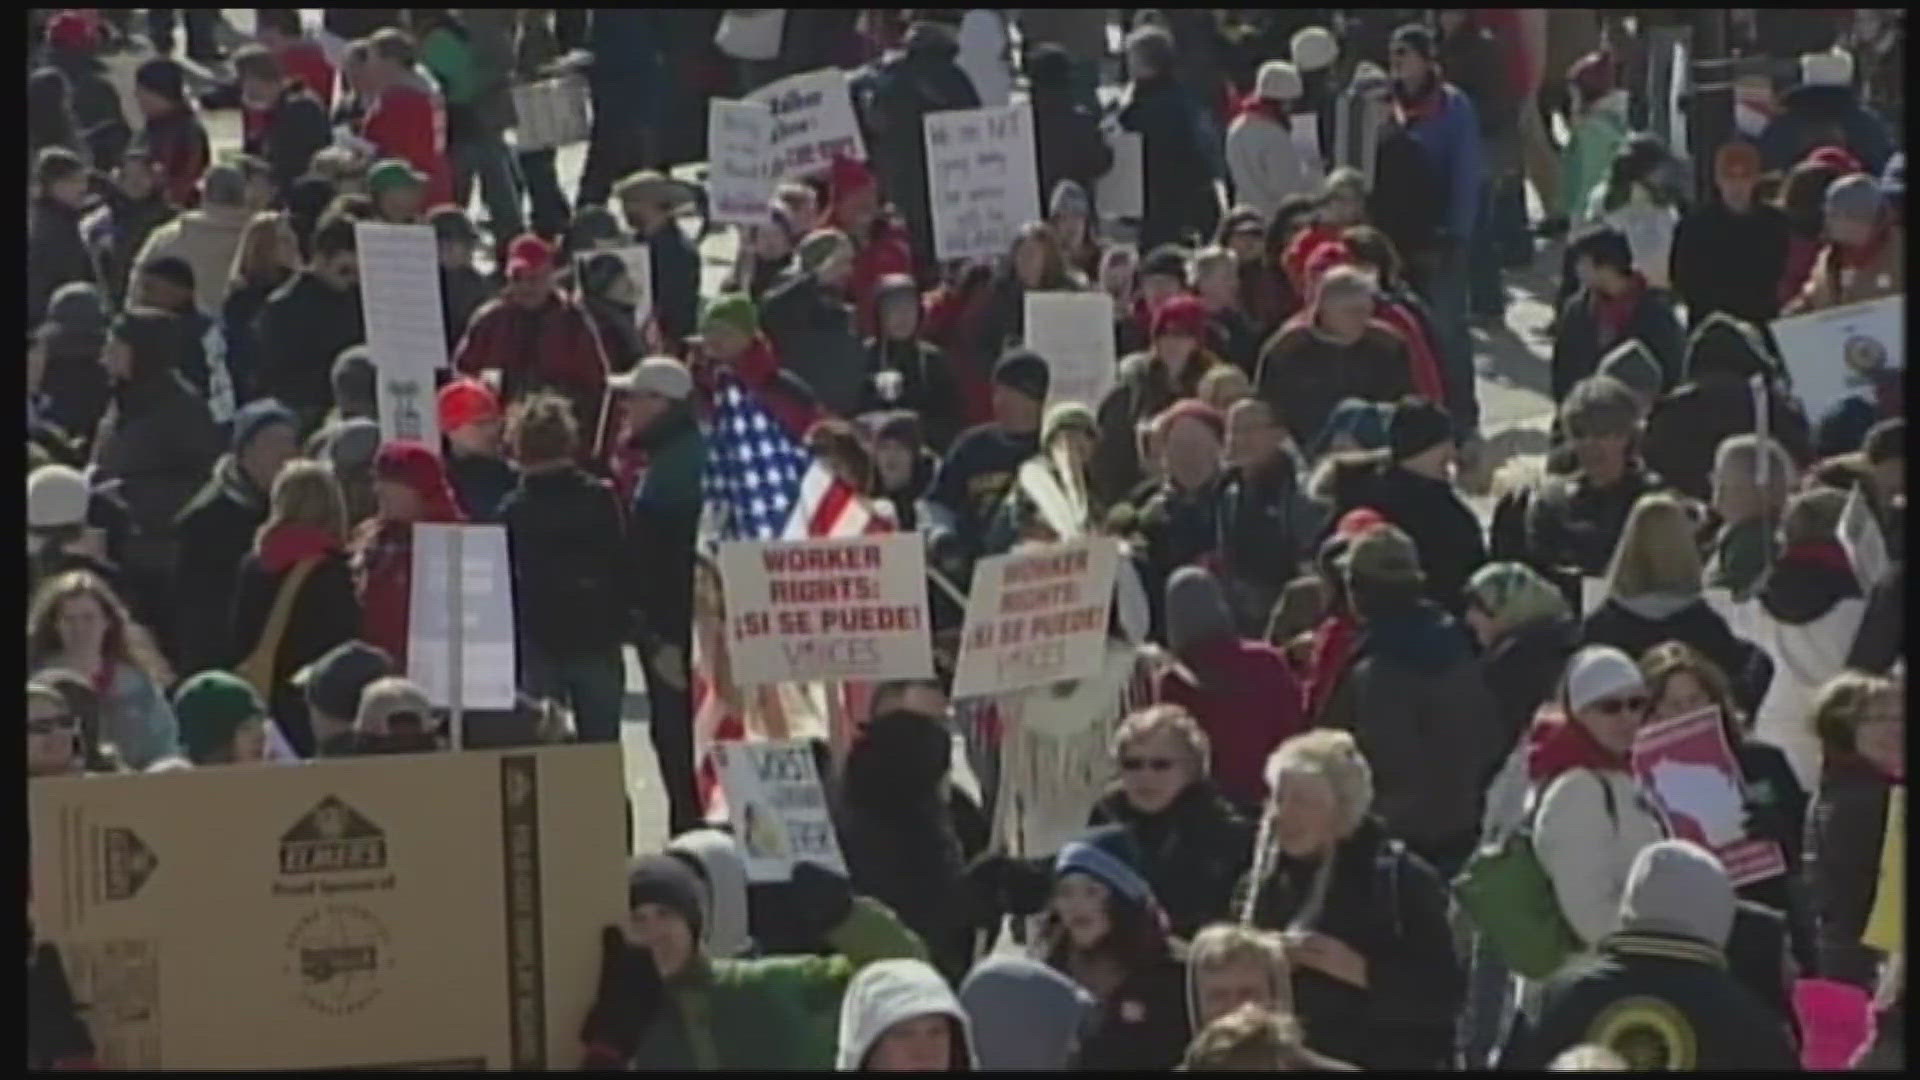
(662, 375)
(1831, 68)
(1599, 672)
(1314, 48)
(56, 496)
(1277, 81)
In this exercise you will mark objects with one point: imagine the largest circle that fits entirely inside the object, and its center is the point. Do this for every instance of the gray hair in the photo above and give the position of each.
(1347, 282)
(223, 185)
(1740, 455)
(1600, 404)
(1169, 718)
(1335, 757)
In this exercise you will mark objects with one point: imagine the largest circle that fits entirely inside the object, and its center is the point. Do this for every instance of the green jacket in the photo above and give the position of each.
(776, 1012)
(1739, 558)
(1596, 135)
(451, 60)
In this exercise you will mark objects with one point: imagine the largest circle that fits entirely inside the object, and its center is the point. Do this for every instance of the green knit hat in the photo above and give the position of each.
(731, 309)
(393, 173)
(210, 707)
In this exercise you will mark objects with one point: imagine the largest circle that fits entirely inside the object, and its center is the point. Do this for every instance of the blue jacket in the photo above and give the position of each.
(1451, 138)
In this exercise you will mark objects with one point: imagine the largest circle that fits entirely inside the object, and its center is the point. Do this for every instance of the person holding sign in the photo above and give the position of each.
(649, 201)
(411, 486)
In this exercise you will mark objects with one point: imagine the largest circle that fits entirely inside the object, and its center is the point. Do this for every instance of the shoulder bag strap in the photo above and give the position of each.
(259, 664)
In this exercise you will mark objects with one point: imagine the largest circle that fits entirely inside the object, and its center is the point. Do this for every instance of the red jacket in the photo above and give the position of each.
(553, 345)
(307, 63)
(383, 579)
(884, 252)
(952, 321)
(1247, 701)
(407, 122)
(1426, 369)
(1332, 648)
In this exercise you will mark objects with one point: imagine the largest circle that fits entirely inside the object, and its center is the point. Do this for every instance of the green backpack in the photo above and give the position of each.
(1511, 900)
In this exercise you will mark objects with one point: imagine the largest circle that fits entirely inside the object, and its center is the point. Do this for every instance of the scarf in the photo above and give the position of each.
(1333, 643)
(1253, 105)
(1613, 313)
(287, 544)
(1558, 746)
(1823, 553)
(1426, 106)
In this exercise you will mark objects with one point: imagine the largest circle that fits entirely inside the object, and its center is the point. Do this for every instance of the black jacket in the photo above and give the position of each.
(115, 240)
(1193, 852)
(1747, 667)
(675, 266)
(1303, 375)
(1842, 864)
(926, 386)
(1728, 262)
(1523, 669)
(296, 128)
(665, 518)
(325, 613)
(978, 470)
(1573, 526)
(1881, 638)
(1144, 1025)
(1261, 542)
(303, 327)
(1578, 348)
(812, 332)
(239, 322)
(91, 97)
(923, 79)
(1779, 814)
(1178, 185)
(216, 530)
(567, 543)
(1447, 534)
(159, 442)
(481, 484)
(1067, 140)
(1232, 336)
(462, 292)
(1386, 904)
(55, 254)
(1686, 427)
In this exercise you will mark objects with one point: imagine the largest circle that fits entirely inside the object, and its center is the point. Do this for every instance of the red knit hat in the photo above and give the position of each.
(466, 401)
(846, 176)
(1181, 314)
(528, 254)
(1321, 258)
(1189, 409)
(1837, 159)
(412, 464)
(1357, 521)
(75, 30)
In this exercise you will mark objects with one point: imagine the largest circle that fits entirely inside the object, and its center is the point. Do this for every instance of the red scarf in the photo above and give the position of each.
(1827, 553)
(1264, 108)
(1425, 107)
(1613, 313)
(292, 543)
(1557, 746)
(1332, 646)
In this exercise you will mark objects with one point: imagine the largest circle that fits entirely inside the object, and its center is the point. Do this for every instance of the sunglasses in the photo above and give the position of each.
(50, 725)
(1616, 706)
(1134, 764)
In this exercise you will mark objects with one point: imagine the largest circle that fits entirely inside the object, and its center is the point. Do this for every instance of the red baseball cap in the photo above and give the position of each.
(1181, 315)
(528, 254)
(466, 401)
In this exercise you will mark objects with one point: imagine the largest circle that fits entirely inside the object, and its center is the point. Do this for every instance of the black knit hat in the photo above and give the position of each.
(171, 269)
(1167, 260)
(1416, 37)
(163, 77)
(1025, 371)
(1416, 426)
(669, 882)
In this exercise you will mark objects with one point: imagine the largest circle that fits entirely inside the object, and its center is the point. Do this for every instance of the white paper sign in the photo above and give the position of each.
(778, 807)
(1305, 130)
(551, 113)
(1122, 192)
(1593, 593)
(739, 146)
(982, 183)
(852, 608)
(1035, 616)
(1830, 353)
(1860, 537)
(400, 295)
(1073, 333)
(813, 122)
(486, 631)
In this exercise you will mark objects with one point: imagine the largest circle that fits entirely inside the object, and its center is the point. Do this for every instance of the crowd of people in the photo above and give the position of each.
(1366, 697)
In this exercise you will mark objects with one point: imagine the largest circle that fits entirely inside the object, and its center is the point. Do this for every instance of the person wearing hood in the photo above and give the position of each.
(405, 118)
(1413, 672)
(131, 208)
(1613, 305)
(411, 485)
(811, 325)
(1337, 350)
(1749, 496)
(1861, 722)
(72, 53)
(216, 529)
(74, 385)
(471, 422)
(1267, 523)
(171, 133)
(650, 201)
(308, 322)
(1866, 251)
(1686, 427)
(732, 344)
(1265, 162)
(900, 1016)
(716, 859)
(666, 1001)
(300, 547)
(56, 254)
(1730, 252)
(903, 467)
(924, 78)
(1149, 382)
(1653, 595)
(1374, 977)
(1179, 174)
(1067, 135)
(1824, 110)
(880, 241)
(1024, 1015)
(1572, 523)
(537, 337)
(463, 289)
(904, 371)
(983, 463)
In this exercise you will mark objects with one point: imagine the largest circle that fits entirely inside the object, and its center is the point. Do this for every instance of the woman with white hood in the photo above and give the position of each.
(900, 1016)
(1263, 158)
(716, 860)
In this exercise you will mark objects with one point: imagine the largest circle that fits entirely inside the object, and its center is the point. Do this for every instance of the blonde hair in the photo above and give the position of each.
(1224, 386)
(1587, 1057)
(1169, 718)
(256, 253)
(1225, 944)
(1335, 757)
(1812, 517)
(1842, 703)
(1211, 258)
(306, 493)
(1250, 1039)
(1656, 553)
(1738, 458)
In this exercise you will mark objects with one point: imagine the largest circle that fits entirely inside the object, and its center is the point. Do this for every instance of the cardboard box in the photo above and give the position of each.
(416, 911)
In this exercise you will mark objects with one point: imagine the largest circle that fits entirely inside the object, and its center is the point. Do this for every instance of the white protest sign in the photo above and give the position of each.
(1860, 538)
(778, 807)
(739, 146)
(845, 608)
(551, 113)
(1593, 593)
(982, 183)
(481, 609)
(1122, 192)
(400, 295)
(1073, 332)
(813, 122)
(1828, 354)
(1036, 616)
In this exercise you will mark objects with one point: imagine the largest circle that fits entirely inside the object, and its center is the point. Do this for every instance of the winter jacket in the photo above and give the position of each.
(294, 129)
(811, 328)
(1810, 117)
(1686, 427)
(1723, 261)
(1586, 840)
(408, 121)
(55, 254)
(1143, 1024)
(1573, 525)
(1266, 525)
(664, 519)
(552, 347)
(1264, 161)
(1449, 132)
(136, 719)
(1635, 625)
(463, 291)
(159, 441)
(1523, 669)
(75, 385)
(1141, 391)
(1245, 698)
(1842, 864)
(675, 267)
(206, 238)
(926, 386)
(239, 316)
(888, 992)
(304, 326)
(1303, 374)
(1067, 140)
(1839, 278)
(116, 231)
(570, 565)
(1419, 707)
(1580, 341)
(1773, 790)
(1881, 638)
(1676, 986)
(1193, 851)
(1475, 61)
(1180, 527)
(1807, 613)
(177, 144)
(324, 614)
(481, 484)
(381, 554)
(1445, 532)
(91, 97)
(923, 79)
(215, 532)
(1179, 199)
(1595, 139)
(1385, 903)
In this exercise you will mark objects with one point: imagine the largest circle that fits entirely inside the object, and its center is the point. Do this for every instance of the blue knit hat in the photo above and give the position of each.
(257, 417)
(1363, 421)
(1107, 855)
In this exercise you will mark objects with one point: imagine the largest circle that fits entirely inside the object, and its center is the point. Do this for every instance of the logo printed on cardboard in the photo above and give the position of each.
(336, 954)
(125, 863)
(332, 838)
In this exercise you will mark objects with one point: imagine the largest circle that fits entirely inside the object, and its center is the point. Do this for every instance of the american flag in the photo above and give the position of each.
(754, 467)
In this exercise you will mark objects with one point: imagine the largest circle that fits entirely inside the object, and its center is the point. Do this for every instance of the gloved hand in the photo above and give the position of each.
(796, 916)
(630, 993)
(1012, 885)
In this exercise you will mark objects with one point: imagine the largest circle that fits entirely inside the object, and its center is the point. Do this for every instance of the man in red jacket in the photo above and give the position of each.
(406, 118)
(536, 337)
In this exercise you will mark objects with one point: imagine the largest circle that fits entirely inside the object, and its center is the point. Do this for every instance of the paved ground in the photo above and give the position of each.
(1510, 359)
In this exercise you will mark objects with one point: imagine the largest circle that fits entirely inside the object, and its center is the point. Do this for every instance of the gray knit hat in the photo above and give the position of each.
(1678, 887)
(1857, 198)
(1197, 611)
(1069, 198)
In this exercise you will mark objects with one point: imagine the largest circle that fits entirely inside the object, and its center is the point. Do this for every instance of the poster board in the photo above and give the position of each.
(1860, 538)
(778, 807)
(486, 637)
(739, 147)
(1687, 766)
(1830, 354)
(1037, 615)
(1073, 333)
(849, 608)
(1122, 192)
(813, 123)
(328, 915)
(551, 113)
(406, 335)
(982, 180)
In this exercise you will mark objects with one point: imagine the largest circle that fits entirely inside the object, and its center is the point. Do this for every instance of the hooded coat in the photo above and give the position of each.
(723, 918)
(215, 531)
(1635, 624)
(1302, 374)
(1809, 609)
(887, 992)
(56, 254)
(923, 79)
(304, 326)
(325, 613)
(206, 238)
(1446, 533)
(1842, 864)
(926, 386)
(1023, 1015)
(1192, 852)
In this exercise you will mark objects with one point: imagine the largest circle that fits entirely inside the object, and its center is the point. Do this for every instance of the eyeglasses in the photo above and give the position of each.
(49, 725)
(1134, 764)
(1616, 706)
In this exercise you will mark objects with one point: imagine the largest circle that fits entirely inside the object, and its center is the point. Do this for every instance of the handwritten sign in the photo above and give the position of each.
(1688, 767)
(400, 294)
(1035, 616)
(1122, 192)
(1073, 332)
(483, 631)
(853, 608)
(778, 807)
(1833, 353)
(739, 145)
(1860, 537)
(813, 123)
(982, 184)
(551, 113)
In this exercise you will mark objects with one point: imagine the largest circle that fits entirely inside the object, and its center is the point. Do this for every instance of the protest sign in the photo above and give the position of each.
(739, 146)
(1122, 192)
(1036, 615)
(1860, 537)
(1840, 351)
(479, 657)
(406, 336)
(1688, 767)
(813, 123)
(1593, 593)
(853, 608)
(778, 807)
(551, 113)
(399, 912)
(982, 183)
(1073, 333)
